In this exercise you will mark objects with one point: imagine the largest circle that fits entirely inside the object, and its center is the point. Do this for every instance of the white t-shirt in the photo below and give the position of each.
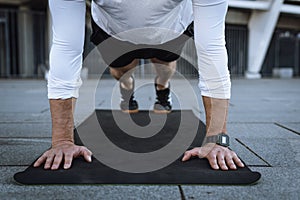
(150, 23)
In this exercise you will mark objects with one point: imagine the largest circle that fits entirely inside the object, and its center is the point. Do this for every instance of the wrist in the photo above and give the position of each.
(221, 139)
(61, 143)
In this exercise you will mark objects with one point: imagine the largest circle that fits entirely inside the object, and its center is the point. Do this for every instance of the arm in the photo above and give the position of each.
(68, 23)
(214, 83)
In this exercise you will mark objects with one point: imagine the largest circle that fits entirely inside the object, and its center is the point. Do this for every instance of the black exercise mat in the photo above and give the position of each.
(195, 171)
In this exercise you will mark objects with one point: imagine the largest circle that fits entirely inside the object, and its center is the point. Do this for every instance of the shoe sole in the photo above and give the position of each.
(162, 111)
(130, 111)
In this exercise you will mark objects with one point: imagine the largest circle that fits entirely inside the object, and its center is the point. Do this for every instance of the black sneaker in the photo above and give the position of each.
(128, 104)
(163, 100)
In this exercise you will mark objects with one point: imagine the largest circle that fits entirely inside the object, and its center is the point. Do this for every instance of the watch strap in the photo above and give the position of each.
(220, 139)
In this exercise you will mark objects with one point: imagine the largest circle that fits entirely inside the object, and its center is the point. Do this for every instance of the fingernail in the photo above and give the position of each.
(90, 159)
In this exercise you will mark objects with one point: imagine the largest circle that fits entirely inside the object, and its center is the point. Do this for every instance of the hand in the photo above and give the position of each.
(66, 151)
(218, 156)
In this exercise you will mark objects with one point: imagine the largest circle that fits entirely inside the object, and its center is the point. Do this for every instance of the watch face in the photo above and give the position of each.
(224, 140)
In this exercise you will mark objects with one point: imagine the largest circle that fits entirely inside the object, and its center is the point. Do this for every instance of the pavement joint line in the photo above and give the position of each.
(263, 166)
(239, 141)
(102, 102)
(30, 113)
(14, 165)
(181, 193)
(250, 122)
(286, 128)
(25, 138)
(45, 110)
(23, 122)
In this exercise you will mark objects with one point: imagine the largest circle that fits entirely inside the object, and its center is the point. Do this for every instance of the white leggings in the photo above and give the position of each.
(68, 26)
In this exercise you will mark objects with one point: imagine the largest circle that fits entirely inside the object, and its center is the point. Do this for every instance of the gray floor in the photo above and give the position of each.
(264, 123)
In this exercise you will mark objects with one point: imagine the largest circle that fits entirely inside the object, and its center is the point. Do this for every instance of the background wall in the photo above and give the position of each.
(25, 36)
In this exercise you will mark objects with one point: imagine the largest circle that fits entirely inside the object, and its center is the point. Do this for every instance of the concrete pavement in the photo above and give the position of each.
(264, 123)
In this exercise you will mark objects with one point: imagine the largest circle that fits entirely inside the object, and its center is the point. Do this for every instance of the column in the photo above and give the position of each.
(25, 40)
(261, 27)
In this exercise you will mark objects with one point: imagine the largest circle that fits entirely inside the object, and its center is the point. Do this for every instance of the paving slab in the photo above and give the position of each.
(259, 130)
(265, 100)
(25, 129)
(277, 152)
(10, 190)
(22, 96)
(22, 151)
(10, 117)
(30, 104)
(276, 183)
(255, 115)
(248, 157)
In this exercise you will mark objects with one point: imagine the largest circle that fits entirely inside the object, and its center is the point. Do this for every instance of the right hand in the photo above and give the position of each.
(219, 157)
(65, 151)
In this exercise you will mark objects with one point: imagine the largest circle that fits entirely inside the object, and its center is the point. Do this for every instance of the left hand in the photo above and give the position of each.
(219, 157)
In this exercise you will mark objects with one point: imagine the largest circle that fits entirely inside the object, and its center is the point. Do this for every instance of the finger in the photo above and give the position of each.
(87, 154)
(221, 161)
(212, 159)
(49, 161)
(68, 160)
(40, 161)
(230, 163)
(57, 161)
(187, 156)
(238, 161)
(190, 153)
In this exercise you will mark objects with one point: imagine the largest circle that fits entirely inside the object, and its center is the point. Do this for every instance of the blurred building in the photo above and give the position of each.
(262, 35)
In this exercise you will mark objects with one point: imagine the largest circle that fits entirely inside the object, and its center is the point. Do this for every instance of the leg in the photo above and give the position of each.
(124, 75)
(164, 71)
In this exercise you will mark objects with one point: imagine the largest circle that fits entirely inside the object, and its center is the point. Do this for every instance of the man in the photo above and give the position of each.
(144, 22)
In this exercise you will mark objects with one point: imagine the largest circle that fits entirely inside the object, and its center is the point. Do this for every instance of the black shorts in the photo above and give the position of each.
(117, 53)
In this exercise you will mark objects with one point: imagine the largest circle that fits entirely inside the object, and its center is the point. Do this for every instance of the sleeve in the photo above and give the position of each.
(68, 28)
(209, 27)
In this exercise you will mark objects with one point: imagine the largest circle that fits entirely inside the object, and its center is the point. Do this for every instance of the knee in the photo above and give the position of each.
(116, 73)
(166, 66)
(127, 70)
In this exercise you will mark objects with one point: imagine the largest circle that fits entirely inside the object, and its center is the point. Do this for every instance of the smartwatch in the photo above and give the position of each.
(221, 139)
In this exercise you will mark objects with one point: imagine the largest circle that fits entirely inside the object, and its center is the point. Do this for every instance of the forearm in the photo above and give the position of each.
(216, 112)
(62, 120)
